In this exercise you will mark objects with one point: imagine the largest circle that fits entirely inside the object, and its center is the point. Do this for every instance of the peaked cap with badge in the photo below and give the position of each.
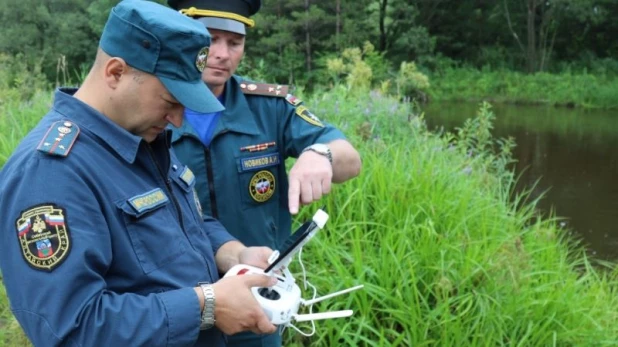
(228, 15)
(149, 38)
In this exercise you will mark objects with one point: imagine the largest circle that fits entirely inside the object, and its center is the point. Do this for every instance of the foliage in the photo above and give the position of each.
(566, 89)
(411, 82)
(18, 81)
(293, 39)
(357, 67)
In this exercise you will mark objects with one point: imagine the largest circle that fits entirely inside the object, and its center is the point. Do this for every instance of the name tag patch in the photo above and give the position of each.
(187, 176)
(149, 200)
(259, 162)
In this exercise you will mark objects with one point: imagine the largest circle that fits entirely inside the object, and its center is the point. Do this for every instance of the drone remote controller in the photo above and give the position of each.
(279, 302)
(282, 301)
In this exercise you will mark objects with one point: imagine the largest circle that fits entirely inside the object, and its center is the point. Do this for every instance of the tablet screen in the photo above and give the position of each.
(293, 241)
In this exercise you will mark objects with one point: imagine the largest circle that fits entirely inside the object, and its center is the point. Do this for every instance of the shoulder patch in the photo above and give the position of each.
(277, 90)
(294, 101)
(309, 117)
(59, 139)
(43, 236)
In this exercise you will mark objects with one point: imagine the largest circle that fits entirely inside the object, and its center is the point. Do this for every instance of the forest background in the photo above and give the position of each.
(531, 51)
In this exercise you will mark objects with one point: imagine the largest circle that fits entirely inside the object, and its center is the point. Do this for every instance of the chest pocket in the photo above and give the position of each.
(258, 178)
(155, 234)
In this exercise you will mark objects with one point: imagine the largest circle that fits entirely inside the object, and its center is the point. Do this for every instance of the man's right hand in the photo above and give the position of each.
(236, 309)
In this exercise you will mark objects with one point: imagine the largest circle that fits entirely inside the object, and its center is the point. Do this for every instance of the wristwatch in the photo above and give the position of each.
(208, 314)
(321, 149)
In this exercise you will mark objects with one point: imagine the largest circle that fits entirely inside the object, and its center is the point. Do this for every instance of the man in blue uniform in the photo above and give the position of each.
(238, 155)
(102, 237)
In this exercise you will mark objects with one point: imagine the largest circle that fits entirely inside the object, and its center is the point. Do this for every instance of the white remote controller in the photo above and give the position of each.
(280, 302)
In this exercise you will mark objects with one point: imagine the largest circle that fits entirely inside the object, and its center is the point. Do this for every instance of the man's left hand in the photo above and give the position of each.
(255, 256)
(309, 179)
(233, 253)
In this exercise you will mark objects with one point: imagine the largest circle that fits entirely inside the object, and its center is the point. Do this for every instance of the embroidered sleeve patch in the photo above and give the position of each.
(43, 235)
(309, 117)
(59, 139)
(294, 101)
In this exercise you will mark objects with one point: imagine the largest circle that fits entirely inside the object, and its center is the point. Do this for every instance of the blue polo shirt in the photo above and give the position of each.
(204, 123)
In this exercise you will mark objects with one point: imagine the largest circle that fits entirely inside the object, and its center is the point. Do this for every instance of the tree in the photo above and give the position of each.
(400, 35)
(541, 29)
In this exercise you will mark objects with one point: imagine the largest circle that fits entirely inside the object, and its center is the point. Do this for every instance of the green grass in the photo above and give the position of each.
(431, 229)
(570, 89)
(17, 118)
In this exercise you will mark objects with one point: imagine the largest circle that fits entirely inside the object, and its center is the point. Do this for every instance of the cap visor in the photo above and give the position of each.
(223, 24)
(193, 95)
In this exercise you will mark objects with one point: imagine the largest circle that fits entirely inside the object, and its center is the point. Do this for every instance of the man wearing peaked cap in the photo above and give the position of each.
(102, 238)
(250, 140)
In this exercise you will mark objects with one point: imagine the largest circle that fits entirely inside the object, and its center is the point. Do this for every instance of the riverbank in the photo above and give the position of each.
(429, 228)
(503, 86)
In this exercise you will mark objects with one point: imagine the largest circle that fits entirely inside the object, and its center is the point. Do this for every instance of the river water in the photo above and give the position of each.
(568, 155)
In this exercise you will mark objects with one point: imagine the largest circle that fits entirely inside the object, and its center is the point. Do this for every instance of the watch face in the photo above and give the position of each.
(321, 148)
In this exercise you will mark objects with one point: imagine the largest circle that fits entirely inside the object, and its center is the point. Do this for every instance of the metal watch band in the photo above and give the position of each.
(208, 314)
(321, 149)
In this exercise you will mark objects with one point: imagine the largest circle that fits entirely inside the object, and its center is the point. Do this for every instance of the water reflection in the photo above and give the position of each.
(571, 153)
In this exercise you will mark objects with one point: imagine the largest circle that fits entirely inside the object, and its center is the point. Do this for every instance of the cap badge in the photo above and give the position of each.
(200, 61)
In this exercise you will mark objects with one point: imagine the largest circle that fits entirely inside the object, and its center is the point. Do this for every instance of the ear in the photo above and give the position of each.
(115, 68)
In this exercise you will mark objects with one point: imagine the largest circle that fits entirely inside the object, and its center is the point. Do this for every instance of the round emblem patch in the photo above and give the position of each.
(262, 186)
(43, 236)
(200, 61)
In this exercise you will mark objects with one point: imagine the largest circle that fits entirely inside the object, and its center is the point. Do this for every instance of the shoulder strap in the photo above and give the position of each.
(59, 139)
(265, 89)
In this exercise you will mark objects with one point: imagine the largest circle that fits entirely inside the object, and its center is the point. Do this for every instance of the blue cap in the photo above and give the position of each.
(162, 42)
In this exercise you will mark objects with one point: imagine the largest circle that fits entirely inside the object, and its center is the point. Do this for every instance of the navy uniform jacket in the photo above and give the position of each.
(101, 237)
(241, 178)
(246, 187)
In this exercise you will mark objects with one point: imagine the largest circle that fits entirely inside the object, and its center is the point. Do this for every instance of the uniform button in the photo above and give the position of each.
(146, 44)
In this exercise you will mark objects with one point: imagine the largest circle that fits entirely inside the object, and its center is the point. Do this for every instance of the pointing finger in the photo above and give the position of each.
(294, 196)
